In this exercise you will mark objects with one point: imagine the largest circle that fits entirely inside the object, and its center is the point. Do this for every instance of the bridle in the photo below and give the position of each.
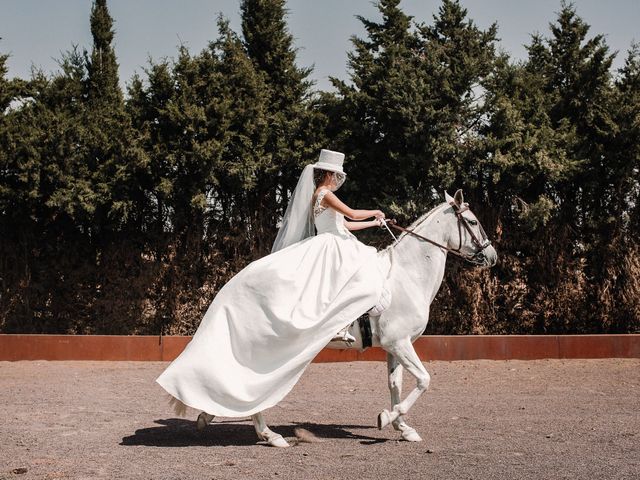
(476, 257)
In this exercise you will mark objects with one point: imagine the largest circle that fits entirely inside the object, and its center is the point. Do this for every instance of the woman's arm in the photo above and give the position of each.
(361, 225)
(334, 202)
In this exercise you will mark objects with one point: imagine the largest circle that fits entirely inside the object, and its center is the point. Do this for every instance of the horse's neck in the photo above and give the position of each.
(419, 262)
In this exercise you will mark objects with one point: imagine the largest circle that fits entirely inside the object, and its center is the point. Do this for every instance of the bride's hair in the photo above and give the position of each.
(318, 175)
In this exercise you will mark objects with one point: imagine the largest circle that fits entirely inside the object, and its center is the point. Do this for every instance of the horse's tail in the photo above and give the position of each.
(179, 408)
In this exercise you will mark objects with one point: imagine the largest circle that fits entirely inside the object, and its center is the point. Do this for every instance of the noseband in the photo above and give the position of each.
(475, 257)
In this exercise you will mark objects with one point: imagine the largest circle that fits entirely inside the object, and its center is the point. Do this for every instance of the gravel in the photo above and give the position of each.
(479, 420)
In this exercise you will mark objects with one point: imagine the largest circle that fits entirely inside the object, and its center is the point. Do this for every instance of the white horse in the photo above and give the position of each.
(416, 263)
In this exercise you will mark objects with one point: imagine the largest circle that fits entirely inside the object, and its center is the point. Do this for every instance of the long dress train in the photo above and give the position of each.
(272, 318)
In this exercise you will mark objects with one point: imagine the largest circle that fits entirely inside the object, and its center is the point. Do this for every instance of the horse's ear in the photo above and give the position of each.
(448, 198)
(459, 198)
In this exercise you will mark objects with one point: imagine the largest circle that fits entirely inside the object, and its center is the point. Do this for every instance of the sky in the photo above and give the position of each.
(37, 32)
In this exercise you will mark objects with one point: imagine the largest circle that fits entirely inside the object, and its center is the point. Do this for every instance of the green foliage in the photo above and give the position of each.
(626, 144)
(102, 67)
(292, 138)
(411, 101)
(127, 215)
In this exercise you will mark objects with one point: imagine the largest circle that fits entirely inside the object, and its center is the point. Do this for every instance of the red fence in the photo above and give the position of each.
(438, 347)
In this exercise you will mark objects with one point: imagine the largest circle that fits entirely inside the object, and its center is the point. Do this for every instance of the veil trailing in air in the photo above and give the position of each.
(297, 223)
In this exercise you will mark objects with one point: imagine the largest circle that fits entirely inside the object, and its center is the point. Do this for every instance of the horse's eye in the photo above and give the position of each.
(473, 222)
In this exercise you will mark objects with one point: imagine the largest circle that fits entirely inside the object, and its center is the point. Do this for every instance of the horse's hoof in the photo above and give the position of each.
(278, 441)
(384, 419)
(410, 435)
(204, 419)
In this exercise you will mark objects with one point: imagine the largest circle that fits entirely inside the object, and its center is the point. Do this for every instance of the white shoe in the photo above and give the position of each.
(344, 336)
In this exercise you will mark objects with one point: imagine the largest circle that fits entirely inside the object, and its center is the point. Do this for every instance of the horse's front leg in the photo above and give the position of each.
(265, 433)
(394, 369)
(407, 357)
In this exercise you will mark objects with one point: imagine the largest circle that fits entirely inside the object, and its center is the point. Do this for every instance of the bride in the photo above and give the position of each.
(271, 319)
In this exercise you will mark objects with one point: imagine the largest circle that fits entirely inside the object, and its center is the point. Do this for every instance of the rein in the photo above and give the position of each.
(461, 221)
(393, 223)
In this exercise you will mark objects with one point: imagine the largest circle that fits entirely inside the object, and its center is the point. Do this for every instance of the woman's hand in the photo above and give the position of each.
(379, 214)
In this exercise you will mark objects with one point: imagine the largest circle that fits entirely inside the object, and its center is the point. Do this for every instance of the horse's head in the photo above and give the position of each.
(465, 235)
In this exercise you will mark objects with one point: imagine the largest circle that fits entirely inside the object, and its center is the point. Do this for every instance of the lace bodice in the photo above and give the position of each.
(327, 219)
(317, 207)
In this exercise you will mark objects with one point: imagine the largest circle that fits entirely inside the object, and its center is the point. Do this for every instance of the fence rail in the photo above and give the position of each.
(437, 347)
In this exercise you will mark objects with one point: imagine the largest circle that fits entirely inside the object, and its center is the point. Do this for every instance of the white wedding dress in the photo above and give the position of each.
(271, 319)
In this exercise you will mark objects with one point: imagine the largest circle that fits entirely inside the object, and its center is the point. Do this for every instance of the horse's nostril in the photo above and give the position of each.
(487, 258)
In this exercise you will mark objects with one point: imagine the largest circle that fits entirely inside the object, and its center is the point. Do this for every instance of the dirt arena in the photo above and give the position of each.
(547, 419)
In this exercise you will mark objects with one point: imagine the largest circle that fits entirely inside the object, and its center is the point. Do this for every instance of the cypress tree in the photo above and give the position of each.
(626, 195)
(203, 120)
(117, 164)
(458, 59)
(410, 98)
(204, 123)
(293, 138)
(619, 288)
(146, 107)
(52, 204)
(102, 66)
(7, 95)
(550, 135)
(6, 89)
(381, 114)
(578, 85)
(269, 45)
(245, 166)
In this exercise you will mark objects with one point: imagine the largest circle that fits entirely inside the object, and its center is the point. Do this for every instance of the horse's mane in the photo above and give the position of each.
(413, 226)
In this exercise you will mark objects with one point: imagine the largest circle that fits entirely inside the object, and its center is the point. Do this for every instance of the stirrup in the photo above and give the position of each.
(344, 336)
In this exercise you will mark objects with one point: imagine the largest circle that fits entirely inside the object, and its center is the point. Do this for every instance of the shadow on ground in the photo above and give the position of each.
(178, 432)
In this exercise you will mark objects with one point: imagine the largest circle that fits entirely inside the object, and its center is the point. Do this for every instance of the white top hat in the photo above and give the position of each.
(330, 160)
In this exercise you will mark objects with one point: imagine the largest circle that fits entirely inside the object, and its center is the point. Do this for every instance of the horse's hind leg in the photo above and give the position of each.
(265, 433)
(407, 357)
(394, 369)
(204, 419)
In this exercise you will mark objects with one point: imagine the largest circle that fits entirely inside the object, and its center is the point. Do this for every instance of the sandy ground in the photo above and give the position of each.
(480, 420)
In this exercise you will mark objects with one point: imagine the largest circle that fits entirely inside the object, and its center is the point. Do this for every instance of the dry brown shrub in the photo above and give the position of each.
(618, 294)
(67, 288)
